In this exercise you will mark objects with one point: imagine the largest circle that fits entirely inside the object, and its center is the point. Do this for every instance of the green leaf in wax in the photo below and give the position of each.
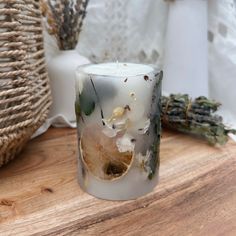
(154, 130)
(87, 105)
(77, 108)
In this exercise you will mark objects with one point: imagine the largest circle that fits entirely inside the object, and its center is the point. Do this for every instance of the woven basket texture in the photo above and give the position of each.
(24, 85)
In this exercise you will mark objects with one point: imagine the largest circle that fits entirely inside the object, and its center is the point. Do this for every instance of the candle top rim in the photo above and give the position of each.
(120, 69)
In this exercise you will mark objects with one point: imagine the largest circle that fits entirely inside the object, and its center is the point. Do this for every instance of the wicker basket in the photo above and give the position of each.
(24, 85)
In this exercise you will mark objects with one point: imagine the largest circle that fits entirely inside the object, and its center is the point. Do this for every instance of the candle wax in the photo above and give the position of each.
(118, 69)
(118, 121)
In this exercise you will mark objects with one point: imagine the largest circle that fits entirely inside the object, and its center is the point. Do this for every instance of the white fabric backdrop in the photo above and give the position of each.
(124, 30)
(186, 61)
(222, 55)
(171, 34)
(140, 30)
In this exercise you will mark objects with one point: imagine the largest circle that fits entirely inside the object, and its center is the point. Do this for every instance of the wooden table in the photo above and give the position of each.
(39, 193)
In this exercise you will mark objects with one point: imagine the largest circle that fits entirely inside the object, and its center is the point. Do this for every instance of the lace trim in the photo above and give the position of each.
(121, 31)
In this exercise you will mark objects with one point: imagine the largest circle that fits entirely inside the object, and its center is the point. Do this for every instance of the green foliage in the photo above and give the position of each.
(194, 117)
(87, 105)
(77, 108)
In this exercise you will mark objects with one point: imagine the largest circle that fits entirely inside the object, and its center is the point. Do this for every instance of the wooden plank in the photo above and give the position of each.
(39, 193)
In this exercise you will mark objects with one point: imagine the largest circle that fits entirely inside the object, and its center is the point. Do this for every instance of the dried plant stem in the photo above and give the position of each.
(64, 20)
(194, 117)
(98, 100)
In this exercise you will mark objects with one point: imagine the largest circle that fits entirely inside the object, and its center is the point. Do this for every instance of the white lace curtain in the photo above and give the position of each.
(140, 31)
(124, 30)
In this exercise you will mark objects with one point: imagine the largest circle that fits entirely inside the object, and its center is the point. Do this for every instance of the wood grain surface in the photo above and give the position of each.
(39, 193)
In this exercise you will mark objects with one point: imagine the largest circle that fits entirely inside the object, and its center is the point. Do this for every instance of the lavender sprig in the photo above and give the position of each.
(65, 20)
(194, 117)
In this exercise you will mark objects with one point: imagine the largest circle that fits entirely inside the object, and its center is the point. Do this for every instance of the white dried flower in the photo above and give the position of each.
(143, 160)
(125, 144)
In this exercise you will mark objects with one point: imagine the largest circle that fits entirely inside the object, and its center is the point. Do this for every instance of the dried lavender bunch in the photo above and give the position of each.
(194, 117)
(64, 20)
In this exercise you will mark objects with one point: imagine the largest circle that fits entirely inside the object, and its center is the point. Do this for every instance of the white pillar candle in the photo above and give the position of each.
(186, 60)
(118, 118)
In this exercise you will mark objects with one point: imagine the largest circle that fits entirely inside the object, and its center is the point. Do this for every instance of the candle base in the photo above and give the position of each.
(132, 186)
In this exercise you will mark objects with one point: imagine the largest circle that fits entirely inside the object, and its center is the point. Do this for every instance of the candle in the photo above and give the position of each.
(118, 118)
